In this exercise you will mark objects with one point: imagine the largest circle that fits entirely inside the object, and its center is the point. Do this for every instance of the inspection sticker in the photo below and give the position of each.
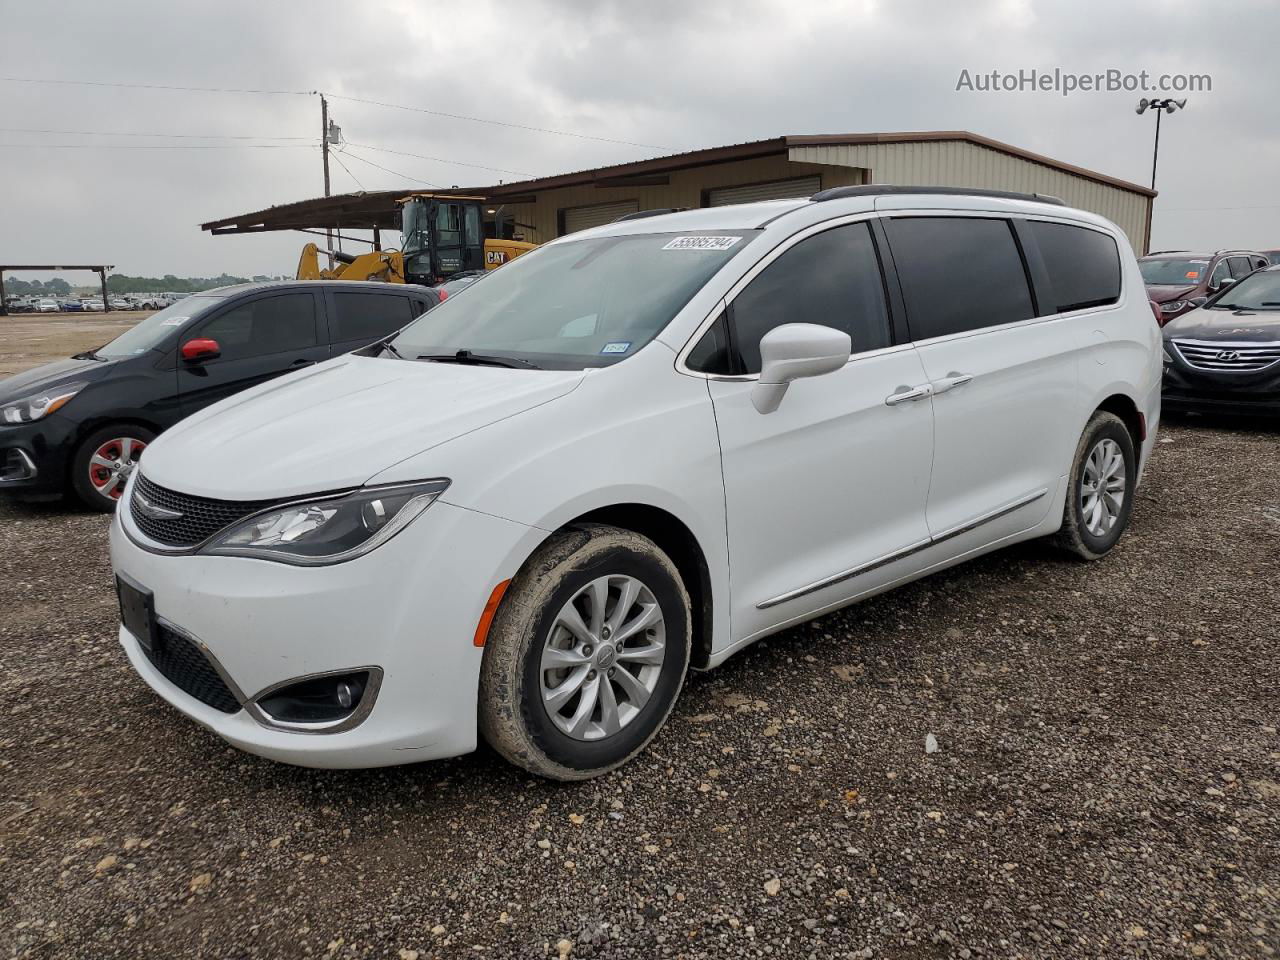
(701, 243)
(617, 346)
(174, 321)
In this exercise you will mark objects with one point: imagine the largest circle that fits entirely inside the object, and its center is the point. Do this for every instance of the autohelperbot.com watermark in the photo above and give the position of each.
(1066, 82)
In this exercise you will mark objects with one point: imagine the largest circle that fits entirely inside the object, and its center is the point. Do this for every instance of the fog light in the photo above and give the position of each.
(320, 700)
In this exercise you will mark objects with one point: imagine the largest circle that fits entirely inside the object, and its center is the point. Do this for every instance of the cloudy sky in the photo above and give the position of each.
(669, 74)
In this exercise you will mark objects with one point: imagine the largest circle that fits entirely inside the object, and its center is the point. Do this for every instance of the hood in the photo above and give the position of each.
(1229, 326)
(1164, 292)
(39, 378)
(338, 424)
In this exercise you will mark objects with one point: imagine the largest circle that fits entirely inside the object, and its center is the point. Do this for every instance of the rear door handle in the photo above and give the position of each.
(904, 393)
(951, 381)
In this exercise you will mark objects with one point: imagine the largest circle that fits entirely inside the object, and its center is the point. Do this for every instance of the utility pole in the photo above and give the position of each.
(324, 149)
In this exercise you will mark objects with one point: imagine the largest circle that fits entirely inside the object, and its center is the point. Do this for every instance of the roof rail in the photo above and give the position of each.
(655, 212)
(1156, 253)
(881, 189)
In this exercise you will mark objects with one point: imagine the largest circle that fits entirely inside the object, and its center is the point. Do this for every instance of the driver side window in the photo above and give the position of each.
(832, 278)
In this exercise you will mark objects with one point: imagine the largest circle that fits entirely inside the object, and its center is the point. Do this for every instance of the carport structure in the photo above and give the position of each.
(100, 270)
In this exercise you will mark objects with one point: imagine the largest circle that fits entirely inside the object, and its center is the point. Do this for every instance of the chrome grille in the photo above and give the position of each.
(1232, 357)
(200, 517)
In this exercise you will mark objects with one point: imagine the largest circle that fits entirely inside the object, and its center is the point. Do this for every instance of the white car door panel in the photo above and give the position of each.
(998, 434)
(834, 481)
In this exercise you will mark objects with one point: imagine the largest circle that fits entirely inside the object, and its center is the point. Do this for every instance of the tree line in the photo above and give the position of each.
(122, 283)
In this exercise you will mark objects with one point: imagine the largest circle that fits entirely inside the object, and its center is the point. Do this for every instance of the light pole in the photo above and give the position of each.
(1166, 105)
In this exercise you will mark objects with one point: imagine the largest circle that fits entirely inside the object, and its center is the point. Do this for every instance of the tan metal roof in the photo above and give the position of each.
(367, 210)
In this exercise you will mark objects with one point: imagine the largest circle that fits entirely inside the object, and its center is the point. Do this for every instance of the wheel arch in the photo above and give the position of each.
(91, 426)
(1124, 407)
(674, 538)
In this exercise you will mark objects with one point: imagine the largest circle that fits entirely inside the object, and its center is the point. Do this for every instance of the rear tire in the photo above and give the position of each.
(103, 462)
(1100, 488)
(586, 655)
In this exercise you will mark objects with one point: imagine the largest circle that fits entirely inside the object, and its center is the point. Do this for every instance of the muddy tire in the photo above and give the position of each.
(1100, 489)
(586, 655)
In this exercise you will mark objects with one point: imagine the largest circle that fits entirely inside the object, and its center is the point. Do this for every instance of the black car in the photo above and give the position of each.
(1225, 356)
(78, 425)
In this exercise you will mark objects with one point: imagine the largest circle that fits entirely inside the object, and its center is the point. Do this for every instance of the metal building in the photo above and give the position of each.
(799, 166)
(549, 207)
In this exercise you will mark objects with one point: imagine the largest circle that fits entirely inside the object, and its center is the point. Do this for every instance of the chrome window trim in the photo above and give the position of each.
(1121, 303)
(904, 552)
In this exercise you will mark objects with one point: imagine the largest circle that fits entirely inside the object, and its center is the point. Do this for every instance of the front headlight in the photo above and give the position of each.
(326, 531)
(1173, 306)
(39, 405)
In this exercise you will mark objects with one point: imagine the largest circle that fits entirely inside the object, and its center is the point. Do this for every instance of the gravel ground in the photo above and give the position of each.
(1106, 780)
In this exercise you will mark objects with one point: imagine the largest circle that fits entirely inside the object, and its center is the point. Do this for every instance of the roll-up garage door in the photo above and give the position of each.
(777, 190)
(596, 215)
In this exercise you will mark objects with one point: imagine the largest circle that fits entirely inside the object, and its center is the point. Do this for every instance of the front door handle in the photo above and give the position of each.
(302, 363)
(904, 393)
(951, 381)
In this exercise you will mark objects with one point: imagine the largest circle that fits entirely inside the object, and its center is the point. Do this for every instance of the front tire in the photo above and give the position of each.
(103, 461)
(1103, 475)
(586, 655)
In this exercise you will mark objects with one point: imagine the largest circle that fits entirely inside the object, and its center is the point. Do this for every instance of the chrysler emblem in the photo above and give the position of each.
(152, 510)
(1228, 356)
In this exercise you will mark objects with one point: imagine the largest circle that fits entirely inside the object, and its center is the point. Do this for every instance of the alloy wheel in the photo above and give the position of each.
(111, 464)
(603, 657)
(1102, 487)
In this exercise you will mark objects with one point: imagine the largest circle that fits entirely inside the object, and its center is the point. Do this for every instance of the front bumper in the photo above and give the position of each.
(41, 449)
(410, 608)
(1188, 390)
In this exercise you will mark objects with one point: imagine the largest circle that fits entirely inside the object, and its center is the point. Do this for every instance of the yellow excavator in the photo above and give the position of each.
(441, 236)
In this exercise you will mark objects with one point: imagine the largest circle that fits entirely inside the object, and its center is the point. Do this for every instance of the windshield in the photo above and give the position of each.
(584, 303)
(1258, 291)
(148, 334)
(1175, 272)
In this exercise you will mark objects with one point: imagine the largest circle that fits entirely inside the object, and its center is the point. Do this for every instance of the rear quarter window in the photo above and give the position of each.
(1083, 265)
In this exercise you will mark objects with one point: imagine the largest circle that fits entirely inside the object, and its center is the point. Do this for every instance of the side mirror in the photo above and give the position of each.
(1224, 283)
(201, 349)
(793, 351)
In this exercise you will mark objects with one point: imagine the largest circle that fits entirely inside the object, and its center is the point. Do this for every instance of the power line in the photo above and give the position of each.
(155, 86)
(394, 173)
(334, 96)
(158, 146)
(172, 136)
(498, 123)
(334, 154)
(456, 163)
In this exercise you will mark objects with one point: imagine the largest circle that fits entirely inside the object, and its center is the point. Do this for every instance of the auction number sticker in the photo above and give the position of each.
(174, 321)
(701, 243)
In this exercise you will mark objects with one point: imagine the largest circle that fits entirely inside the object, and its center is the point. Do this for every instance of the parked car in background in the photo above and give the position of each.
(458, 283)
(79, 425)
(70, 306)
(120, 303)
(48, 306)
(518, 516)
(1178, 281)
(1273, 256)
(90, 304)
(1224, 357)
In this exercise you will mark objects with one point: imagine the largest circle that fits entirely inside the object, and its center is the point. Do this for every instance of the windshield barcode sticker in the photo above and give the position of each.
(701, 243)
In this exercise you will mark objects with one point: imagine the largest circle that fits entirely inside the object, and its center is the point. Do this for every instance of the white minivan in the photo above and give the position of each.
(630, 453)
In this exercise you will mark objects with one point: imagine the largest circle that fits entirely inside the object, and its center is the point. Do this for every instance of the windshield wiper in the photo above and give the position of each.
(479, 360)
(386, 345)
(89, 355)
